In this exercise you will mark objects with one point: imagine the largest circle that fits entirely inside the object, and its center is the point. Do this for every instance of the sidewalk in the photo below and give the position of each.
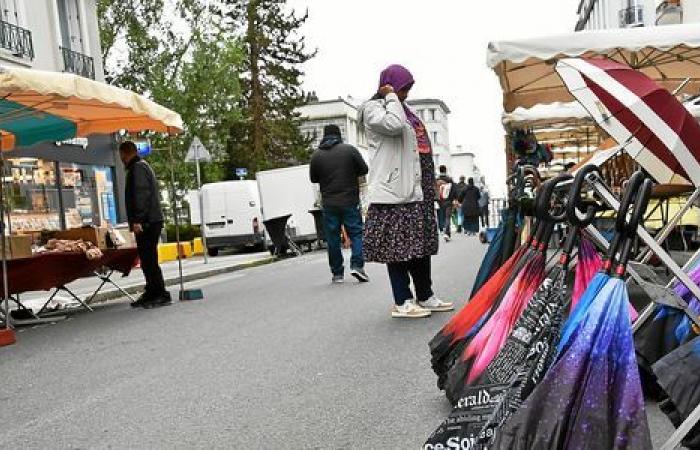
(192, 269)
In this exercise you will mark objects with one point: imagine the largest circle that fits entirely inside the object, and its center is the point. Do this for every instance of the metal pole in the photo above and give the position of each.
(173, 201)
(668, 228)
(644, 235)
(3, 245)
(200, 196)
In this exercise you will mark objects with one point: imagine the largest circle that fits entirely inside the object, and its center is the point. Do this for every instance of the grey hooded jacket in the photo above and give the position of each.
(394, 164)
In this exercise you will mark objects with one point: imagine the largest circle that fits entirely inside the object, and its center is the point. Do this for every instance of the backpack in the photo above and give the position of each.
(444, 190)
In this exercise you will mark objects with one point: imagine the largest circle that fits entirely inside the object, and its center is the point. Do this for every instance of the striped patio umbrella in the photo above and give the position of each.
(39, 106)
(654, 128)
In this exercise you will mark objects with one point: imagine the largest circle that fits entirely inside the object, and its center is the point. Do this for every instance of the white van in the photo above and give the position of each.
(289, 191)
(232, 216)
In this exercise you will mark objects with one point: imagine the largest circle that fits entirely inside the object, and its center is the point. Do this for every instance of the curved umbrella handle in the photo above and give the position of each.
(633, 185)
(574, 201)
(637, 218)
(544, 210)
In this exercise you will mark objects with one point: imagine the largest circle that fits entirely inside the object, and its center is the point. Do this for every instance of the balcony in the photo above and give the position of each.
(17, 40)
(632, 17)
(77, 63)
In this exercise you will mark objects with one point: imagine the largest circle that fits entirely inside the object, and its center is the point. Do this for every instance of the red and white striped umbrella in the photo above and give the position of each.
(651, 125)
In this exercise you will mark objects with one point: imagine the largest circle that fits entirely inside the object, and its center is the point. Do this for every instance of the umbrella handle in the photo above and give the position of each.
(640, 207)
(633, 186)
(574, 201)
(543, 208)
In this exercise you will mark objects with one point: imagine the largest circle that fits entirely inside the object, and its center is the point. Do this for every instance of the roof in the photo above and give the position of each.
(667, 54)
(327, 102)
(429, 101)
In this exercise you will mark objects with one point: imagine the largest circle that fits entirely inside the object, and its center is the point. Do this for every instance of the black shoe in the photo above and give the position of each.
(162, 300)
(142, 300)
(360, 275)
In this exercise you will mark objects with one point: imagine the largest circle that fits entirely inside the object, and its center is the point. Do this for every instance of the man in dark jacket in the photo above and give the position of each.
(459, 190)
(146, 221)
(447, 194)
(336, 167)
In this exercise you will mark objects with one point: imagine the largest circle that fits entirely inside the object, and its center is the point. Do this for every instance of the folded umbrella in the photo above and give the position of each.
(591, 397)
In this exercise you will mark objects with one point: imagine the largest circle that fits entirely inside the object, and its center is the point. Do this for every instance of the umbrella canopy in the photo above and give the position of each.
(37, 106)
(652, 126)
(525, 68)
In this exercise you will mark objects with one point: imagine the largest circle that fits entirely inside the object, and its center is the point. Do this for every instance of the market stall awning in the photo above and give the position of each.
(667, 54)
(37, 106)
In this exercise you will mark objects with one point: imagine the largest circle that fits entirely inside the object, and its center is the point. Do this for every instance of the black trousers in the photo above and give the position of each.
(400, 275)
(147, 243)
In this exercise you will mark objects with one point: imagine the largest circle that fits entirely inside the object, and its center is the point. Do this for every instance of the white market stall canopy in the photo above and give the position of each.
(667, 54)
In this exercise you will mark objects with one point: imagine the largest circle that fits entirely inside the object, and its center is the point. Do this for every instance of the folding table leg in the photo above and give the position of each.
(108, 279)
(63, 288)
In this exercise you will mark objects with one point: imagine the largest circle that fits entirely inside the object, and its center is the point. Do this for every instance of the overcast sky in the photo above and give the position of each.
(443, 42)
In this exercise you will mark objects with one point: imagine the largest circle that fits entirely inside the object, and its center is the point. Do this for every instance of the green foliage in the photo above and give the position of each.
(230, 68)
(187, 232)
(267, 135)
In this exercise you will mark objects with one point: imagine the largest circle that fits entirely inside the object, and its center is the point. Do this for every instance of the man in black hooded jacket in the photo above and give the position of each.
(336, 167)
(145, 218)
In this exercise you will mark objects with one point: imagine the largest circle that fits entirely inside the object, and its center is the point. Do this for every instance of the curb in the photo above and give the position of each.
(174, 281)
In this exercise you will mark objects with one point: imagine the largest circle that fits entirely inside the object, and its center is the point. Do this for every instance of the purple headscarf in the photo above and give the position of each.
(399, 77)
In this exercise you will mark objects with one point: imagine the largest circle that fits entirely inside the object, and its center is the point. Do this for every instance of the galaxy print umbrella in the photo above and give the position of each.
(591, 397)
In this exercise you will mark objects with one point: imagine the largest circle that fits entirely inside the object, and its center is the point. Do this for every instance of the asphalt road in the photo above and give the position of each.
(274, 357)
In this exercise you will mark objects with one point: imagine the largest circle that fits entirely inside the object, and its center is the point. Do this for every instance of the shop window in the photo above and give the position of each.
(88, 195)
(32, 195)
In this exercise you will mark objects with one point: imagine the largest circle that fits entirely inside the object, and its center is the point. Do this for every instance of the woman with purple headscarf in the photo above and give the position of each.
(401, 228)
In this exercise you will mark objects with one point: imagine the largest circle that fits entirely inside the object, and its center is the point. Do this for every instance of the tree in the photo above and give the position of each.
(194, 71)
(268, 133)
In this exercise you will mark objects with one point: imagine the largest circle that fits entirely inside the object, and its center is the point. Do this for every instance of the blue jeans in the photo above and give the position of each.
(351, 219)
(400, 275)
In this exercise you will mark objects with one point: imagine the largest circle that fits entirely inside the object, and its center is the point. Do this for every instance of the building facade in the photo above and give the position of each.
(344, 113)
(63, 184)
(606, 14)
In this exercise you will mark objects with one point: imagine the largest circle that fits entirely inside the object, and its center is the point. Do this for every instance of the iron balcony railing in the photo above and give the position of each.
(78, 63)
(16, 39)
(632, 17)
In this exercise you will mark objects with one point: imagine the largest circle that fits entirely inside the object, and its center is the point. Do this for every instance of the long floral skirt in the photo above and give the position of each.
(398, 233)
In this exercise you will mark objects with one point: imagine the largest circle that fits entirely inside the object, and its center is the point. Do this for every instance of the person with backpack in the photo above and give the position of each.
(446, 197)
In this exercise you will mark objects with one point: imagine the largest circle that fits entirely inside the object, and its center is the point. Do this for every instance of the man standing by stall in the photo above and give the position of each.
(145, 218)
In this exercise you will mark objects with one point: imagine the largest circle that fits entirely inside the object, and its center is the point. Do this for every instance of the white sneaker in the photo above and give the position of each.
(447, 238)
(409, 310)
(437, 305)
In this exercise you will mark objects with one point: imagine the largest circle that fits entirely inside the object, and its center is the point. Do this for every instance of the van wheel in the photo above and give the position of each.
(212, 252)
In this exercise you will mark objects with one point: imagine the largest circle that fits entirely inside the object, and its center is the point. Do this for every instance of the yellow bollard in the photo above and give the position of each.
(197, 247)
(167, 252)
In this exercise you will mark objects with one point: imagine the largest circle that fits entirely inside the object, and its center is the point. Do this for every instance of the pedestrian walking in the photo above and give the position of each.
(484, 201)
(145, 218)
(446, 195)
(401, 230)
(459, 189)
(337, 167)
(470, 208)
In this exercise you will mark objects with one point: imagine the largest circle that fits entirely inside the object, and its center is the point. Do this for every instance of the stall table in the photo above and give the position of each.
(53, 271)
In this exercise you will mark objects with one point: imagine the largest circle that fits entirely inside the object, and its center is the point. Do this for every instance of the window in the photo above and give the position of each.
(435, 138)
(69, 21)
(88, 195)
(432, 114)
(9, 11)
(32, 195)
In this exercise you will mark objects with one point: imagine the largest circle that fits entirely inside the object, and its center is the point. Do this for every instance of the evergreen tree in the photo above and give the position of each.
(268, 134)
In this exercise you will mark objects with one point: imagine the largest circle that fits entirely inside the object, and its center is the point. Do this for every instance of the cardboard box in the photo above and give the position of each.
(97, 236)
(127, 237)
(19, 246)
